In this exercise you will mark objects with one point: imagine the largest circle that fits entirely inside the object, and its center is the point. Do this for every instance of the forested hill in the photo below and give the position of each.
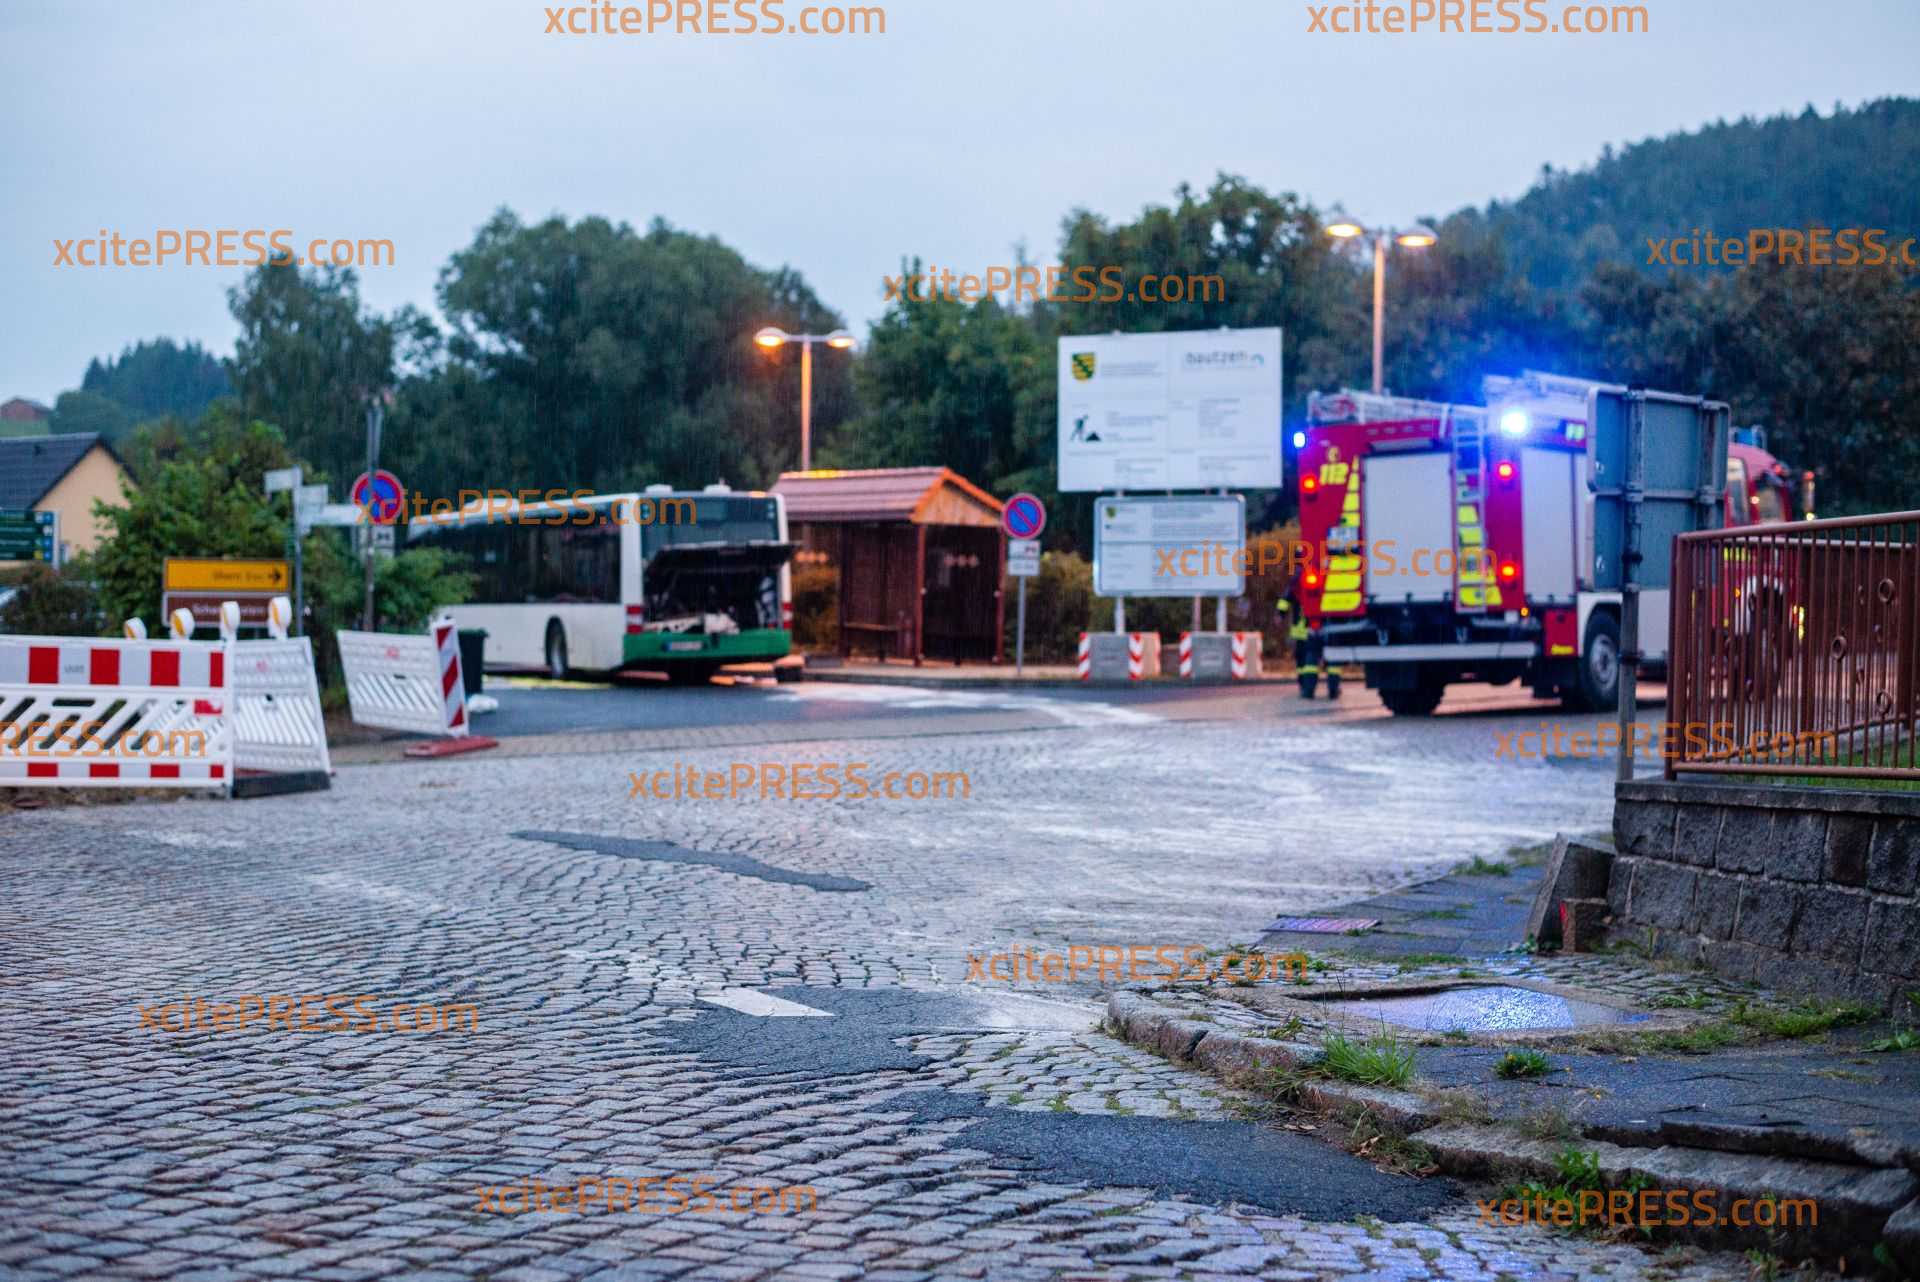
(1852, 168)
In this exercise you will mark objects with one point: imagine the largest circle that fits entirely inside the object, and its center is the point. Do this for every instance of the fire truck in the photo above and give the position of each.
(1454, 543)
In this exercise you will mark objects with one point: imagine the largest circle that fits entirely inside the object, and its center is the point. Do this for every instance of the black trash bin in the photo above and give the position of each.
(473, 653)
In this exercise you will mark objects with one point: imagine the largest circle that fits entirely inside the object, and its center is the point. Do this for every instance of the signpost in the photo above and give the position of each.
(379, 493)
(1658, 468)
(1183, 410)
(1022, 519)
(197, 574)
(1185, 545)
(29, 536)
(200, 585)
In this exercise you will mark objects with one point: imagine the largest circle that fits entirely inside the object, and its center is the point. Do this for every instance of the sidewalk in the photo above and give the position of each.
(964, 676)
(1711, 1084)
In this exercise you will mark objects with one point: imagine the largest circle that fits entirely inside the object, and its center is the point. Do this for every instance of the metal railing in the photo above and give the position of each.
(1795, 649)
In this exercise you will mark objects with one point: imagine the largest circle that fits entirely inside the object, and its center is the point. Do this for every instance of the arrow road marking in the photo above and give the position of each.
(647, 971)
(750, 1001)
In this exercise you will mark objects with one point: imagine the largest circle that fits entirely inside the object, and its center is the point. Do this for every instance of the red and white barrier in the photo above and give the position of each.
(87, 713)
(1186, 654)
(1143, 655)
(401, 682)
(1249, 651)
(1086, 656)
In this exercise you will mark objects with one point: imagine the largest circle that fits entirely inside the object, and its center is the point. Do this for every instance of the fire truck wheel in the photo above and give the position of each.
(1417, 702)
(1599, 686)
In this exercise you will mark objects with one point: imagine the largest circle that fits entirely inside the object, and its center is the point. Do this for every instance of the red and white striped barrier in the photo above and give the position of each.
(1086, 656)
(1143, 655)
(1186, 654)
(86, 713)
(1249, 650)
(401, 682)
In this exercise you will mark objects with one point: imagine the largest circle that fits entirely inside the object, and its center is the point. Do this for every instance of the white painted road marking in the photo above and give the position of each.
(649, 972)
(749, 1001)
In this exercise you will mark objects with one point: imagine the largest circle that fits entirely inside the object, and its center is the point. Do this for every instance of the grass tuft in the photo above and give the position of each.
(1380, 1060)
(1523, 1063)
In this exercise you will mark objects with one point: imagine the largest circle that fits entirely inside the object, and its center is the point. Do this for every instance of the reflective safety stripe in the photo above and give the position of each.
(1309, 670)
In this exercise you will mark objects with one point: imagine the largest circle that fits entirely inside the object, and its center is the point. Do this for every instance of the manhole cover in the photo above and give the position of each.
(1486, 1008)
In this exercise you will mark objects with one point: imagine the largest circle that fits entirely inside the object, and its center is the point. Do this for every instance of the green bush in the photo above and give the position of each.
(52, 604)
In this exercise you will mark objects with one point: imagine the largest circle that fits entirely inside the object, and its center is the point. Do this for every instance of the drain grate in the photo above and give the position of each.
(1321, 925)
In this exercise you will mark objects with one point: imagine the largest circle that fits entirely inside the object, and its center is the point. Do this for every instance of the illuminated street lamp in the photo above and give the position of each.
(772, 338)
(1419, 236)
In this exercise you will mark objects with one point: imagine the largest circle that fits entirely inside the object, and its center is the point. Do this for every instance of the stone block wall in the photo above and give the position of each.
(1804, 890)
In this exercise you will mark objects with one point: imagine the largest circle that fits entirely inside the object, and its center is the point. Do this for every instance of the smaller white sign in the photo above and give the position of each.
(309, 496)
(281, 478)
(1191, 545)
(1023, 558)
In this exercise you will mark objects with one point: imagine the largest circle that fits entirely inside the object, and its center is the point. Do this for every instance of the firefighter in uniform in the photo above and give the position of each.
(1309, 647)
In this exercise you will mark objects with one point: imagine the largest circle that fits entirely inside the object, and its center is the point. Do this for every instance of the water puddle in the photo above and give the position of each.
(1486, 1008)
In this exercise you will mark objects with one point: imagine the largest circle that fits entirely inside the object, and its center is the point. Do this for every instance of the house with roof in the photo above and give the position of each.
(63, 475)
(22, 417)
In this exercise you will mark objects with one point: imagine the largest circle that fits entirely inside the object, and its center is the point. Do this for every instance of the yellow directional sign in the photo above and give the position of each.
(186, 574)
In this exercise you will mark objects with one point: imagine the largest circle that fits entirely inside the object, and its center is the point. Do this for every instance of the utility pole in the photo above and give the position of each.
(376, 412)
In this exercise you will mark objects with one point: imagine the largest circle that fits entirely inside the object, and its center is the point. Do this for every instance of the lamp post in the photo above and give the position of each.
(1418, 236)
(773, 338)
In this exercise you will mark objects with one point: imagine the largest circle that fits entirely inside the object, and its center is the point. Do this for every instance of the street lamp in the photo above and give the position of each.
(1419, 236)
(773, 337)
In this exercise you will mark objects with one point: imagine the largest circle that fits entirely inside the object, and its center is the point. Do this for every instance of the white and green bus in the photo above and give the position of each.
(674, 581)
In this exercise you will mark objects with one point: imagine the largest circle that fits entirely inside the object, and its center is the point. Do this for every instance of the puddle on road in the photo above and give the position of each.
(1486, 1008)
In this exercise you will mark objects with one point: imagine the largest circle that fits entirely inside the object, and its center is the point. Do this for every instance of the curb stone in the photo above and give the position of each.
(1857, 1206)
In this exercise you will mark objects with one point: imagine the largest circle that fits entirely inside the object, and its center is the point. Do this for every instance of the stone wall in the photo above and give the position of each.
(1804, 890)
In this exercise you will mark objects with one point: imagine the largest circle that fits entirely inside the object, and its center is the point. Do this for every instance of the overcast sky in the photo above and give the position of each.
(967, 128)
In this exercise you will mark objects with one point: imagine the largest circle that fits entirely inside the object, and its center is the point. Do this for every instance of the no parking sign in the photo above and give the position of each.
(1023, 517)
(380, 495)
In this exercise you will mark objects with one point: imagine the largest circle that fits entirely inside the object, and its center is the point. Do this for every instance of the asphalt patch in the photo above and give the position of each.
(1222, 1163)
(666, 852)
(1219, 1163)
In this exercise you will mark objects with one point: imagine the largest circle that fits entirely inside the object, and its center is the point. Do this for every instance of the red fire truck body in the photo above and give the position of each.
(1458, 542)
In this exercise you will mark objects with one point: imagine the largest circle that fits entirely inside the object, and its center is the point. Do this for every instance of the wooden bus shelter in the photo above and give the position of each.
(919, 552)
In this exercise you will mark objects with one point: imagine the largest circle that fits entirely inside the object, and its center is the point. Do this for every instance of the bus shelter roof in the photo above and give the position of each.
(915, 495)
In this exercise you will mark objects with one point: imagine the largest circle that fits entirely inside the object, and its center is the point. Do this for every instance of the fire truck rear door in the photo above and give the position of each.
(1406, 516)
(1548, 531)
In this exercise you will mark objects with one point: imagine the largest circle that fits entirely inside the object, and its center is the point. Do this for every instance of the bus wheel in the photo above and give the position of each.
(1599, 683)
(556, 651)
(1417, 702)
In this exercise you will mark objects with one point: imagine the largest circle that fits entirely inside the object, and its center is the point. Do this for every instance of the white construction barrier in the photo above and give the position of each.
(401, 682)
(277, 725)
(82, 712)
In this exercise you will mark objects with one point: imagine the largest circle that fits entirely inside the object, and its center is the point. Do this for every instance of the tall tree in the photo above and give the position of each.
(308, 359)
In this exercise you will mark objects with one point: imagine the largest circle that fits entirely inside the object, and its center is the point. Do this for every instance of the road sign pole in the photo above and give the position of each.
(1020, 632)
(373, 465)
(1629, 677)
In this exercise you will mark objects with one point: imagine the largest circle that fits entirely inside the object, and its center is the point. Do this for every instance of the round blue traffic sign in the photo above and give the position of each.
(1023, 517)
(381, 495)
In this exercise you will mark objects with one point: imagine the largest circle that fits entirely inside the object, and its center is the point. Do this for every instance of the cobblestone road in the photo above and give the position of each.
(621, 953)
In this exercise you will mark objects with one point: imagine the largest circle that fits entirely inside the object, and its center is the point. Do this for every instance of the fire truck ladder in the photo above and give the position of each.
(1474, 591)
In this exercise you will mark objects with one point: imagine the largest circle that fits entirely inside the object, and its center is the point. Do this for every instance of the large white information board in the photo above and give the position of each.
(1187, 410)
(1184, 545)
